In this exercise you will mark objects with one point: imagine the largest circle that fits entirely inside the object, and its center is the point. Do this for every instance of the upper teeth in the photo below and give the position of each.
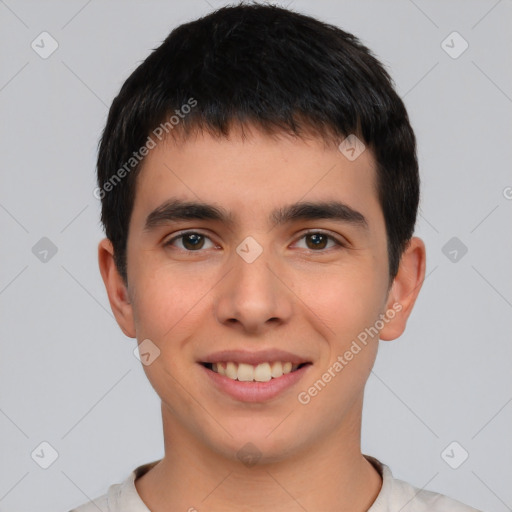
(247, 372)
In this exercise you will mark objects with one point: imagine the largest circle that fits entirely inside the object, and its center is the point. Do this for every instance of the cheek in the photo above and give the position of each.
(166, 301)
(352, 303)
(349, 307)
(346, 302)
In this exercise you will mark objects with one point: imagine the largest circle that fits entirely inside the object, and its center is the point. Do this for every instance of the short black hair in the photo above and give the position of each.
(269, 67)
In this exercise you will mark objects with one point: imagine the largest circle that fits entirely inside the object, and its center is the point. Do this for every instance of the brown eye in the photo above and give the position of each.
(318, 241)
(190, 241)
(193, 241)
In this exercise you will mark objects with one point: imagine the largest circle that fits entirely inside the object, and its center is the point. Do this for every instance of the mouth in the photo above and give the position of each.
(260, 382)
(262, 372)
(254, 376)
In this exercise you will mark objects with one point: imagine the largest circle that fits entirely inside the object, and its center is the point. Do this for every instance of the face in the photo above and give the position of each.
(248, 282)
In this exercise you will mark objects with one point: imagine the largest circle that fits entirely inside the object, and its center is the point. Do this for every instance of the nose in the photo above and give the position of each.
(254, 297)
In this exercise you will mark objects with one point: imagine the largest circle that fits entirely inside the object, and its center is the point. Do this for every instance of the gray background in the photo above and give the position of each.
(68, 375)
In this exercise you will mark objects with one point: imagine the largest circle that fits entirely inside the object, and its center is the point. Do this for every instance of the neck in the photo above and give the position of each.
(330, 474)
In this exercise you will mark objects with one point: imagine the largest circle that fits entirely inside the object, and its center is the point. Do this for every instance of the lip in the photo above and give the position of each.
(254, 358)
(254, 391)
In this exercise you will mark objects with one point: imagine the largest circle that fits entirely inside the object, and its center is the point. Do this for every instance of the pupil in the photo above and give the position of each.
(195, 239)
(318, 240)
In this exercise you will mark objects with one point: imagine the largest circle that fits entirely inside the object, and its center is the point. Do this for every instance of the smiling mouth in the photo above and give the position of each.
(262, 372)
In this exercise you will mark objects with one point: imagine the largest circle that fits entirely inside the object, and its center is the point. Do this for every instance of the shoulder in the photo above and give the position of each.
(396, 494)
(120, 497)
(113, 500)
(420, 500)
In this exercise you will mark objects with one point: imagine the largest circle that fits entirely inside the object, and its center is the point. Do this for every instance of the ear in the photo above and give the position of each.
(405, 288)
(116, 289)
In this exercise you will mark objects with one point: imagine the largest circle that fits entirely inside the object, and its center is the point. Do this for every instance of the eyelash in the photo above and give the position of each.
(338, 243)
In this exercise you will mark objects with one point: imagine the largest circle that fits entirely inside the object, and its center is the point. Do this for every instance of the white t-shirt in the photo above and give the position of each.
(395, 495)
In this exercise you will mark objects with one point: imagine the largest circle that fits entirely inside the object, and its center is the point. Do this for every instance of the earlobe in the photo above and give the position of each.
(405, 288)
(116, 289)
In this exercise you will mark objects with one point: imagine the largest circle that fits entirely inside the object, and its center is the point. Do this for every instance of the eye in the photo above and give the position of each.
(318, 240)
(190, 240)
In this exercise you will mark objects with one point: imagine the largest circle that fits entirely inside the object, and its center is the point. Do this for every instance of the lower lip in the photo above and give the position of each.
(255, 391)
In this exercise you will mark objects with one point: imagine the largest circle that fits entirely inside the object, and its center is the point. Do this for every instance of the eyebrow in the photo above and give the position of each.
(176, 209)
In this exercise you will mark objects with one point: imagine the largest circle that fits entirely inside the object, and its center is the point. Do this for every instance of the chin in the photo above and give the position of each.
(258, 442)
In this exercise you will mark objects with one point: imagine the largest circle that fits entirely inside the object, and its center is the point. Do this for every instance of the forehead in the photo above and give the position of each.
(252, 174)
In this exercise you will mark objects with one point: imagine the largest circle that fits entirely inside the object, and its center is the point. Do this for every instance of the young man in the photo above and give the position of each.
(259, 188)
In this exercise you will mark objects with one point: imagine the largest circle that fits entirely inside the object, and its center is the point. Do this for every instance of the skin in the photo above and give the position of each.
(309, 301)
